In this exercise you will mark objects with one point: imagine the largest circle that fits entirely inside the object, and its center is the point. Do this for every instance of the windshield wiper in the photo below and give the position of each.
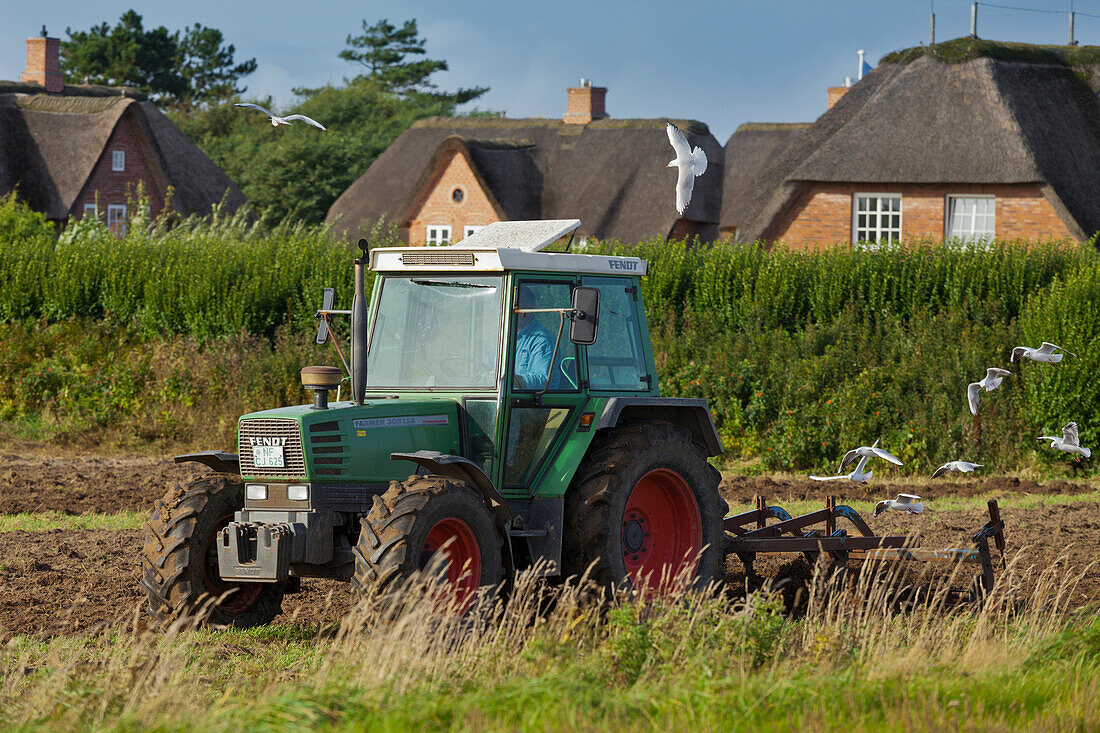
(449, 284)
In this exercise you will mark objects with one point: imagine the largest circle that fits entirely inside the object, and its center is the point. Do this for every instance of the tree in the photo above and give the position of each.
(126, 55)
(382, 49)
(207, 68)
(183, 73)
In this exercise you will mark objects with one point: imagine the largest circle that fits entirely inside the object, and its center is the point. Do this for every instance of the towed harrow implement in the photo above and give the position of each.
(749, 534)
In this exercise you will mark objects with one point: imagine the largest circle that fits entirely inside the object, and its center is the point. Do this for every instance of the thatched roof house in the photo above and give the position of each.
(968, 138)
(445, 177)
(71, 150)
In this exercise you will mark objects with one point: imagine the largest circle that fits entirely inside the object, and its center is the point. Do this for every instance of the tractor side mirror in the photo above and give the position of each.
(326, 305)
(586, 314)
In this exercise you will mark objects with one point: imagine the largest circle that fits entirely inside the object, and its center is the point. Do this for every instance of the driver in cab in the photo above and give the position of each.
(534, 345)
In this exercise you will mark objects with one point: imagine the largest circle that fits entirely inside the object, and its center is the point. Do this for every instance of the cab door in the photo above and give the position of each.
(544, 385)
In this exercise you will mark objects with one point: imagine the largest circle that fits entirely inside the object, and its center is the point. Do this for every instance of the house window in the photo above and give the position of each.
(438, 236)
(971, 218)
(876, 218)
(91, 210)
(116, 219)
(457, 195)
(118, 160)
(470, 229)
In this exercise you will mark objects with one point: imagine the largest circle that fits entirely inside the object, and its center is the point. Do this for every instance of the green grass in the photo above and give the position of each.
(43, 521)
(695, 663)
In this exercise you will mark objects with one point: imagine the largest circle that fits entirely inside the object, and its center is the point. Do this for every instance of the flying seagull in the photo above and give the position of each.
(904, 503)
(1069, 442)
(1043, 353)
(950, 466)
(870, 451)
(689, 164)
(276, 120)
(989, 382)
(857, 475)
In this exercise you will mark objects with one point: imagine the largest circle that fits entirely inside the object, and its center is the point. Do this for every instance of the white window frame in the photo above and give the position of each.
(877, 229)
(116, 219)
(469, 229)
(118, 160)
(437, 235)
(972, 237)
(94, 208)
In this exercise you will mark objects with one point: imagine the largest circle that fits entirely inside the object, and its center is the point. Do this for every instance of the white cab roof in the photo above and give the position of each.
(509, 245)
(530, 236)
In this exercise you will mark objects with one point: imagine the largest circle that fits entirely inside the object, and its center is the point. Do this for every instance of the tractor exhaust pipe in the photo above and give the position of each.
(359, 329)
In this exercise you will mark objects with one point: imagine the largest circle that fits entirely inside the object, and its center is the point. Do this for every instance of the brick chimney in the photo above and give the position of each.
(44, 62)
(835, 93)
(585, 103)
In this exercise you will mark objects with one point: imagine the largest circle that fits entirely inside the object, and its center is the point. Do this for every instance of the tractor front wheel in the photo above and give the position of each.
(644, 510)
(419, 522)
(180, 558)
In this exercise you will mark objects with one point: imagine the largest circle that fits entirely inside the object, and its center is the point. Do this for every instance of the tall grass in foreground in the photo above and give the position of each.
(864, 656)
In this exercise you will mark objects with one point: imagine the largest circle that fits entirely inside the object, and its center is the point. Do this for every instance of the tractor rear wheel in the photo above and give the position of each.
(180, 557)
(644, 509)
(416, 519)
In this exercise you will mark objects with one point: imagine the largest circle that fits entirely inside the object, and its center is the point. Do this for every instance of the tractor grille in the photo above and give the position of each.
(293, 462)
(436, 257)
(328, 452)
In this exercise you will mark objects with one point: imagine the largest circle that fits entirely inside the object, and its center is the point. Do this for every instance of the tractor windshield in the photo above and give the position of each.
(435, 331)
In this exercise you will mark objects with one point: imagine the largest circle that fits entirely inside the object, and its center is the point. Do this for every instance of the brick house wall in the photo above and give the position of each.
(822, 212)
(438, 205)
(107, 186)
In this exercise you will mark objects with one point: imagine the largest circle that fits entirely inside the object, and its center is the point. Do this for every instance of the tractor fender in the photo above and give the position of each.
(463, 469)
(688, 413)
(218, 460)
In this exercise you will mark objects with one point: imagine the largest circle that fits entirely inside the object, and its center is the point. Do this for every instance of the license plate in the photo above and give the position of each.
(267, 456)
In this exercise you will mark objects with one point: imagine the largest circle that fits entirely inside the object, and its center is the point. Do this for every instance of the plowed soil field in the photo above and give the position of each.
(67, 581)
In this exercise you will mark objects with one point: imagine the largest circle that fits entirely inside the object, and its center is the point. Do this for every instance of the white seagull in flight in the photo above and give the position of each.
(276, 120)
(857, 475)
(1043, 353)
(991, 381)
(871, 451)
(963, 466)
(1069, 442)
(689, 164)
(904, 503)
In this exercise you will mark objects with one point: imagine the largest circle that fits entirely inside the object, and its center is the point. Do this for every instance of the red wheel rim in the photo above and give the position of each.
(245, 595)
(662, 531)
(454, 538)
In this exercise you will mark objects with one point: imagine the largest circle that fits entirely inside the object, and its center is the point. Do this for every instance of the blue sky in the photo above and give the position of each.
(723, 63)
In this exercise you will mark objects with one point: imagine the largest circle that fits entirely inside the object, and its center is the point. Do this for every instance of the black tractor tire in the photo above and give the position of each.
(180, 563)
(394, 535)
(597, 499)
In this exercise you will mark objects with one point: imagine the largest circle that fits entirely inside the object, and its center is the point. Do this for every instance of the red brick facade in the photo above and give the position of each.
(437, 205)
(821, 214)
(107, 186)
(43, 64)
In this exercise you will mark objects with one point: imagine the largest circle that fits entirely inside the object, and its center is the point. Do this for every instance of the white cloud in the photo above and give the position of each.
(273, 80)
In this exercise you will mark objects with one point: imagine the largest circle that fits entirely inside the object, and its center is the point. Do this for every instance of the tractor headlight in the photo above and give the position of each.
(297, 492)
(256, 492)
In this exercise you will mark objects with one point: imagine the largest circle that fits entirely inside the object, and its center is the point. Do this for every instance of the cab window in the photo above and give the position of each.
(616, 361)
(535, 334)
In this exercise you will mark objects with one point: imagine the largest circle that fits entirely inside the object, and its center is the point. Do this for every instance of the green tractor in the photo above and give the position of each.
(518, 389)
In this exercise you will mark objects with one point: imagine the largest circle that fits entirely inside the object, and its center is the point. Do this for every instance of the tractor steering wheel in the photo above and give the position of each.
(460, 367)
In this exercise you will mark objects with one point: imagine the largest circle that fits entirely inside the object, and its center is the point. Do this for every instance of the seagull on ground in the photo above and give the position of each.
(962, 466)
(904, 503)
(1069, 442)
(991, 380)
(857, 475)
(689, 164)
(276, 120)
(1043, 353)
(868, 451)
